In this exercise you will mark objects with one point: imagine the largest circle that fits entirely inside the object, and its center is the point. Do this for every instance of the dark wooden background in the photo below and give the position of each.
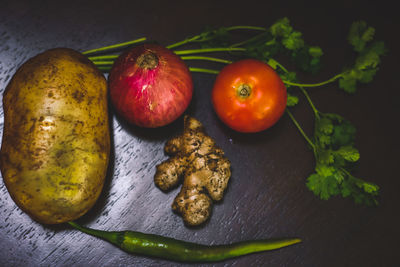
(267, 196)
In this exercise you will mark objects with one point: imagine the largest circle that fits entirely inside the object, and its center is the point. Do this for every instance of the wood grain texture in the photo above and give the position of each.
(267, 196)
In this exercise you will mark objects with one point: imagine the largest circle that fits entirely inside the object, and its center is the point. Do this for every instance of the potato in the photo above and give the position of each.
(56, 139)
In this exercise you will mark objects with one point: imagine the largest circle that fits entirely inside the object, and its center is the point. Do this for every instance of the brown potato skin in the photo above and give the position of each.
(56, 139)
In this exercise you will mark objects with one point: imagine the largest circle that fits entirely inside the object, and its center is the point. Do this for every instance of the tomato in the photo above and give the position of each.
(249, 96)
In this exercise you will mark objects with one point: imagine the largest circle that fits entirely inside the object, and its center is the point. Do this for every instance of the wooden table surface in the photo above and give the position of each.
(267, 196)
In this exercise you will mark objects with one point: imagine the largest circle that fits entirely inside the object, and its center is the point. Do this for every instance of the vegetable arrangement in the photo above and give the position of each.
(65, 133)
(333, 139)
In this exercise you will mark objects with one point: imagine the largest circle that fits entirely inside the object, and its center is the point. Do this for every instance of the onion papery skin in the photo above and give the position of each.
(150, 97)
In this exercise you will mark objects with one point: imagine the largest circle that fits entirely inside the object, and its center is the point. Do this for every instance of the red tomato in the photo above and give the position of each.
(249, 96)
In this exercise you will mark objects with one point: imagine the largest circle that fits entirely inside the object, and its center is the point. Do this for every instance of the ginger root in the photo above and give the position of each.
(195, 157)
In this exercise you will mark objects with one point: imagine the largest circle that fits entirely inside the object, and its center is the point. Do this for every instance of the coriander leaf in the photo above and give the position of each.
(315, 51)
(368, 58)
(360, 34)
(324, 139)
(367, 75)
(322, 186)
(304, 60)
(324, 125)
(306, 57)
(211, 37)
(340, 177)
(288, 76)
(263, 47)
(273, 63)
(370, 188)
(348, 83)
(324, 169)
(343, 133)
(292, 100)
(281, 28)
(335, 155)
(349, 153)
(361, 191)
(293, 41)
(347, 188)
(326, 156)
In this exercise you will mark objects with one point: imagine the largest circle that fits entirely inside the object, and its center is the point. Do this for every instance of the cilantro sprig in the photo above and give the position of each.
(332, 140)
(335, 158)
(335, 154)
(369, 53)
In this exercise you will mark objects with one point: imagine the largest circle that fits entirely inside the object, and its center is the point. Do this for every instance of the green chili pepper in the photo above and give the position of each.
(177, 250)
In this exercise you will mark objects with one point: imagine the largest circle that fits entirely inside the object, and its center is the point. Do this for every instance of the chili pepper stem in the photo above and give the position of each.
(108, 236)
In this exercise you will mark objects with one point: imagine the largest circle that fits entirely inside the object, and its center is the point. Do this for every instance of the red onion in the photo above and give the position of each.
(150, 86)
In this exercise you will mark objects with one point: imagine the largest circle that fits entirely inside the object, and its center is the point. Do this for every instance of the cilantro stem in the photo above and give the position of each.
(115, 46)
(186, 41)
(300, 129)
(109, 59)
(248, 40)
(102, 63)
(105, 62)
(246, 27)
(210, 71)
(206, 59)
(272, 62)
(207, 50)
(101, 58)
(200, 38)
(316, 112)
(107, 68)
(104, 68)
(334, 78)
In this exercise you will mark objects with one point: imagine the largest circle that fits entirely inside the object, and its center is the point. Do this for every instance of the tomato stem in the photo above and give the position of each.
(244, 90)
